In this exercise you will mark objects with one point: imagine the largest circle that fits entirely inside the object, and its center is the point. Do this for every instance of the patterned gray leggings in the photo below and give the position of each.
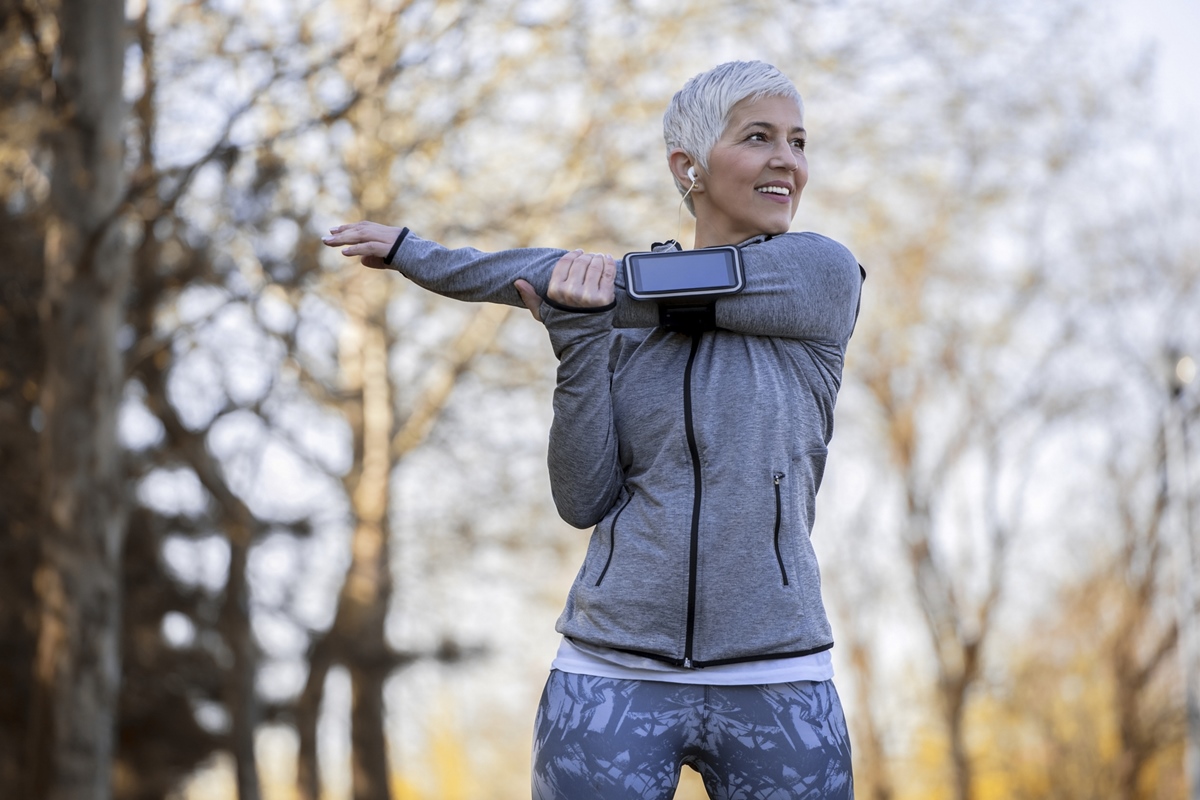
(603, 739)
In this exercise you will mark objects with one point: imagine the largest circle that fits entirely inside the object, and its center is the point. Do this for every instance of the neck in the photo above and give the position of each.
(709, 238)
(710, 235)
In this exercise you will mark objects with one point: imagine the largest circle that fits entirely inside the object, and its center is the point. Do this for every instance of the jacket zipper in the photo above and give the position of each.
(612, 539)
(694, 555)
(778, 476)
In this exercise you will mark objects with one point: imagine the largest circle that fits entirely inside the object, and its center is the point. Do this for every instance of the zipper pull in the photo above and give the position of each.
(778, 477)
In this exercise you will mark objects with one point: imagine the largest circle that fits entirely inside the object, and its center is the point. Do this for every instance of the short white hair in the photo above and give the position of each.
(698, 113)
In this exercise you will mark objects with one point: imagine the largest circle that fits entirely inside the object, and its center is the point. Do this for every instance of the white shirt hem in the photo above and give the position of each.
(602, 662)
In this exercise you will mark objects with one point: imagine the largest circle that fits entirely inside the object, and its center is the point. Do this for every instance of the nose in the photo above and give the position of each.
(783, 157)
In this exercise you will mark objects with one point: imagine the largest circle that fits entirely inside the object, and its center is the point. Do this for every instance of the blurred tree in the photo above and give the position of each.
(1089, 704)
(82, 515)
(23, 78)
(967, 363)
(216, 671)
(21, 360)
(160, 738)
(1143, 321)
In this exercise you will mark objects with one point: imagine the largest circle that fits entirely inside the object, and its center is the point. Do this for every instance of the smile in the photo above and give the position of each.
(783, 190)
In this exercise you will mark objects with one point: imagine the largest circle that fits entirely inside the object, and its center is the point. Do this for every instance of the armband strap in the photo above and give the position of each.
(399, 241)
(689, 318)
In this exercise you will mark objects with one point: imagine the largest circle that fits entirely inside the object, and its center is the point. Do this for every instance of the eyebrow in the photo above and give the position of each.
(771, 126)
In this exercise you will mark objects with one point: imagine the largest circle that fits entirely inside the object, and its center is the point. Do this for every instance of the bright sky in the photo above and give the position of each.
(1172, 28)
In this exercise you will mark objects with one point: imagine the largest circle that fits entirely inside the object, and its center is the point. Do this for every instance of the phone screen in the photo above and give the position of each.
(684, 273)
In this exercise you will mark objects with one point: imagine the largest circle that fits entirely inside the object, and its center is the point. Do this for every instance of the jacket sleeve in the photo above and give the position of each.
(473, 275)
(585, 470)
(798, 286)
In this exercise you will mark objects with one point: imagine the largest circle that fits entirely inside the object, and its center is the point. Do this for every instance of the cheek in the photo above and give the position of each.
(801, 177)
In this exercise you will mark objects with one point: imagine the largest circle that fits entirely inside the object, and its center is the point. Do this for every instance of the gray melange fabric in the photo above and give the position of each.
(754, 400)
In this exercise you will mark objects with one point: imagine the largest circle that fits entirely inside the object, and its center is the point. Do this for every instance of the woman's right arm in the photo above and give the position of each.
(585, 470)
(584, 459)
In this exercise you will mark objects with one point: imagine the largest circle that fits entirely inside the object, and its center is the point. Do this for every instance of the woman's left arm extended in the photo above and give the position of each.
(462, 274)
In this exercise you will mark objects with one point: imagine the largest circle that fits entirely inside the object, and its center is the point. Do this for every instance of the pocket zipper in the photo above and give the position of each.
(778, 476)
(612, 539)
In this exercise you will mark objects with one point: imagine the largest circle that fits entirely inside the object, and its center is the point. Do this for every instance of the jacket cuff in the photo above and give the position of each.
(580, 309)
(569, 328)
(395, 247)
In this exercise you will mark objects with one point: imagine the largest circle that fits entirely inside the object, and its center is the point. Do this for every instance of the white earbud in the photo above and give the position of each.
(691, 173)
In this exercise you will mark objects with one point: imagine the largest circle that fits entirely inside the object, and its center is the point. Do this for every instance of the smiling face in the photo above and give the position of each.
(756, 172)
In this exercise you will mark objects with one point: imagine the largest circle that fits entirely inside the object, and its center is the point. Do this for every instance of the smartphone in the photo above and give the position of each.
(708, 272)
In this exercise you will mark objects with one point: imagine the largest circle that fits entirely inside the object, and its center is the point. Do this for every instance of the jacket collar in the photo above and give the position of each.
(671, 244)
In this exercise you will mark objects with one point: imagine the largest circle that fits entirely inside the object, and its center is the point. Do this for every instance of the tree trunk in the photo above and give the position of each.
(368, 589)
(241, 698)
(22, 365)
(956, 655)
(871, 771)
(368, 736)
(241, 528)
(83, 509)
(961, 770)
(357, 637)
(308, 715)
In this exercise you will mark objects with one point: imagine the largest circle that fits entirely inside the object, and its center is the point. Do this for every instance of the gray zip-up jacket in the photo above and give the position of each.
(697, 458)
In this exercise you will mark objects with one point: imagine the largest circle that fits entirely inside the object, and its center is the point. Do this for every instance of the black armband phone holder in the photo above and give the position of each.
(685, 284)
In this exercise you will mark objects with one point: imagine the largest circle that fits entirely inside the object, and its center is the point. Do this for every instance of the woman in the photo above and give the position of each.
(694, 632)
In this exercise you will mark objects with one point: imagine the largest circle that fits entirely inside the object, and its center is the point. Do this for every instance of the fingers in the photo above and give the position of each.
(565, 278)
(583, 280)
(598, 278)
(354, 233)
(529, 297)
(604, 269)
(363, 239)
(608, 277)
(369, 241)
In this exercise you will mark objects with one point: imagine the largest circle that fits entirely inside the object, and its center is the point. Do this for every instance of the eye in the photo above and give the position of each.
(799, 143)
(757, 136)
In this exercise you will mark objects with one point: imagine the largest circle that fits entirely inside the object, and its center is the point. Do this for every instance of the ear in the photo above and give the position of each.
(679, 161)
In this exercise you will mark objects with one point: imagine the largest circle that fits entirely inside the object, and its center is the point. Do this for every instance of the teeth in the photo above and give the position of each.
(775, 190)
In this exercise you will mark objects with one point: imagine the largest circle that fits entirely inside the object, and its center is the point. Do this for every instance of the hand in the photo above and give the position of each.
(370, 240)
(579, 280)
(583, 280)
